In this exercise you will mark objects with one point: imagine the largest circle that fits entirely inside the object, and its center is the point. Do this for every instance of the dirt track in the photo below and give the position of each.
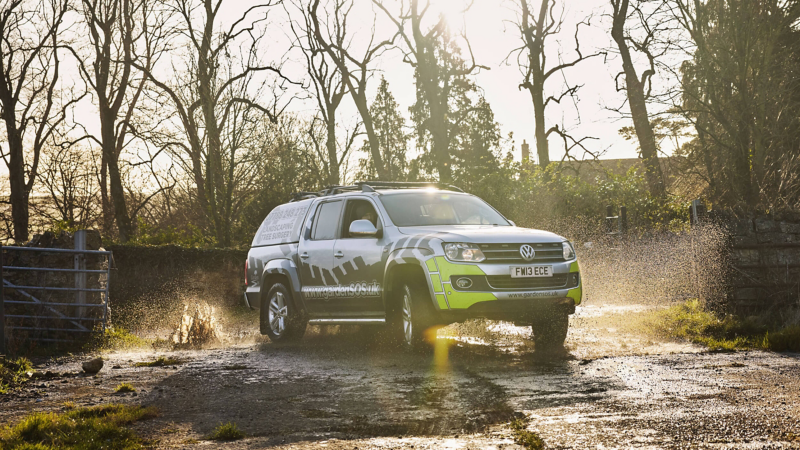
(613, 389)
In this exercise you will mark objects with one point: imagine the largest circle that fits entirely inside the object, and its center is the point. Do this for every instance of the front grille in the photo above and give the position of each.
(509, 253)
(506, 282)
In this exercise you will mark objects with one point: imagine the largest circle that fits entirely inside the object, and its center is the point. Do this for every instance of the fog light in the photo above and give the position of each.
(464, 283)
(574, 279)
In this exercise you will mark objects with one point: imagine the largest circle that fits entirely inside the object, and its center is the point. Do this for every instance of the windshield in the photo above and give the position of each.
(436, 208)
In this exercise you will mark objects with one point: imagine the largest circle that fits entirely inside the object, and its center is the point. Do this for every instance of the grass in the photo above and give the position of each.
(117, 339)
(123, 388)
(527, 439)
(97, 427)
(693, 322)
(226, 432)
(14, 372)
(161, 361)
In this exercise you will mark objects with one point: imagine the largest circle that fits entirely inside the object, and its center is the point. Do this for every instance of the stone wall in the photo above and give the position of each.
(765, 263)
(158, 274)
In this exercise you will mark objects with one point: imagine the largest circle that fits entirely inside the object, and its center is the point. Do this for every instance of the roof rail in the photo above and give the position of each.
(404, 185)
(370, 186)
(297, 196)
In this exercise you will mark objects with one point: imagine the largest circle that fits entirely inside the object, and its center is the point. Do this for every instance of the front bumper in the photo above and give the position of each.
(448, 297)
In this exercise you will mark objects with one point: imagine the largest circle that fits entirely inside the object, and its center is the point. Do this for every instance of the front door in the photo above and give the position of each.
(316, 258)
(358, 264)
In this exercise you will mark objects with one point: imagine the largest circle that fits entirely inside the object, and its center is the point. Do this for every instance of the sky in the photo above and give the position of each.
(493, 36)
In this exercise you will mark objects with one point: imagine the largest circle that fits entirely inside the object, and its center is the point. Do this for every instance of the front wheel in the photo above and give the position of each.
(550, 330)
(280, 320)
(414, 321)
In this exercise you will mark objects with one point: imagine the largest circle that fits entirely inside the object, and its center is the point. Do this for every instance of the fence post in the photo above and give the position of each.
(2, 308)
(80, 277)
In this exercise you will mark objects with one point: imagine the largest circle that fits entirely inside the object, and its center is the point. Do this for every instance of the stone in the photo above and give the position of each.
(93, 365)
(743, 227)
(765, 225)
(789, 227)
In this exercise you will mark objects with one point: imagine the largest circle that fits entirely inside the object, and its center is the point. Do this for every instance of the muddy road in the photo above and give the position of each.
(614, 387)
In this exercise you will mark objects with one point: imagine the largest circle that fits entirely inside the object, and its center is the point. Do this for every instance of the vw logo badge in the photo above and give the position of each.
(527, 252)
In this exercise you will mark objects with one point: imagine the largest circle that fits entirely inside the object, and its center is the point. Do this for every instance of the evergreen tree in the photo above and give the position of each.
(388, 123)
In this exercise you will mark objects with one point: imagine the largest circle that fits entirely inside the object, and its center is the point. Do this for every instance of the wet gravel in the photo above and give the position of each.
(347, 391)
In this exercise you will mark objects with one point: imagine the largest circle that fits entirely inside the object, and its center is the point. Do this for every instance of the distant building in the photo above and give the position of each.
(526, 151)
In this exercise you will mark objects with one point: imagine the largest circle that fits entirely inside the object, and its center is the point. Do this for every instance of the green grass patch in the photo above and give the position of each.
(97, 427)
(161, 361)
(226, 432)
(522, 436)
(117, 339)
(124, 388)
(14, 372)
(693, 322)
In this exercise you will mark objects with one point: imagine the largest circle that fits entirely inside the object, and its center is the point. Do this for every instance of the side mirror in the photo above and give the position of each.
(363, 228)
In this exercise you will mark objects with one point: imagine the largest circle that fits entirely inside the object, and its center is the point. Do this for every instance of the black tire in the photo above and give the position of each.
(550, 330)
(287, 323)
(414, 318)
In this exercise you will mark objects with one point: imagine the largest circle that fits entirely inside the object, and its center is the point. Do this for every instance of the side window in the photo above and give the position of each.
(358, 210)
(326, 221)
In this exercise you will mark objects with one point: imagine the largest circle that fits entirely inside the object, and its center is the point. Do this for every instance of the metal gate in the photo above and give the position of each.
(34, 309)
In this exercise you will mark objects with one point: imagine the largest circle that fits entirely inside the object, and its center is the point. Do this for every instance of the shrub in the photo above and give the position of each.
(226, 432)
(14, 372)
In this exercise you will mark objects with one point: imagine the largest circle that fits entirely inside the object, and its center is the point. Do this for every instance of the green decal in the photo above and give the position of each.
(441, 301)
(447, 269)
(437, 283)
(575, 294)
(431, 265)
(463, 300)
(574, 267)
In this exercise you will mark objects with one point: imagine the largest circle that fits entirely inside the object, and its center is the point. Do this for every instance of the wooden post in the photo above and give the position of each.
(2, 308)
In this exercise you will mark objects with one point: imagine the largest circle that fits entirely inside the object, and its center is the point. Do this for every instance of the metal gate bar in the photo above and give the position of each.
(80, 289)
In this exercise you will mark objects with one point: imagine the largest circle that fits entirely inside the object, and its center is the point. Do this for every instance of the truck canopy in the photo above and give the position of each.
(283, 224)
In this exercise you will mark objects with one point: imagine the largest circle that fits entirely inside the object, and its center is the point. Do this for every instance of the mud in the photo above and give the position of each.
(613, 387)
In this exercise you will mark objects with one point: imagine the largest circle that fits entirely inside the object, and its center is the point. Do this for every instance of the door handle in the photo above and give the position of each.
(304, 255)
(339, 254)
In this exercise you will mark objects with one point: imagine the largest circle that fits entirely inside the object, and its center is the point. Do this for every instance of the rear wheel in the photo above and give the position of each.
(280, 320)
(550, 330)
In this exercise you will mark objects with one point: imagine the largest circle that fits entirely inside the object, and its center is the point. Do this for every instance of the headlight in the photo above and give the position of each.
(463, 252)
(569, 252)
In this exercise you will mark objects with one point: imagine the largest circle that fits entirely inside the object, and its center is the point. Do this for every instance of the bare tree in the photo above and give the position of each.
(420, 51)
(216, 105)
(33, 110)
(329, 88)
(355, 68)
(638, 89)
(69, 180)
(535, 27)
(119, 37)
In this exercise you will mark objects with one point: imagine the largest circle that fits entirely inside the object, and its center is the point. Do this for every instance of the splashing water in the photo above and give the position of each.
(198, 327)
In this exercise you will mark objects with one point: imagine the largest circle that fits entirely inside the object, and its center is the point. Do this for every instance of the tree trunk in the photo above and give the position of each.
(374, 144)
(542, 146)
(638, 105)
(16, 176)
(124, 225)
(330, 143)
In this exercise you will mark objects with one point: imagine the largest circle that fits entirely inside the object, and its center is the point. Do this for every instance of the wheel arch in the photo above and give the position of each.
(403, 264)
(285, 271)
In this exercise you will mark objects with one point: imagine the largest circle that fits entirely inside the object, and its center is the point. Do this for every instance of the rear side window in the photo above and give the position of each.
(283, 224)
(327, 221)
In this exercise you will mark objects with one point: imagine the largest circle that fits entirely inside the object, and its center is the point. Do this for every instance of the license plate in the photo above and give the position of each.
(531, 271)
